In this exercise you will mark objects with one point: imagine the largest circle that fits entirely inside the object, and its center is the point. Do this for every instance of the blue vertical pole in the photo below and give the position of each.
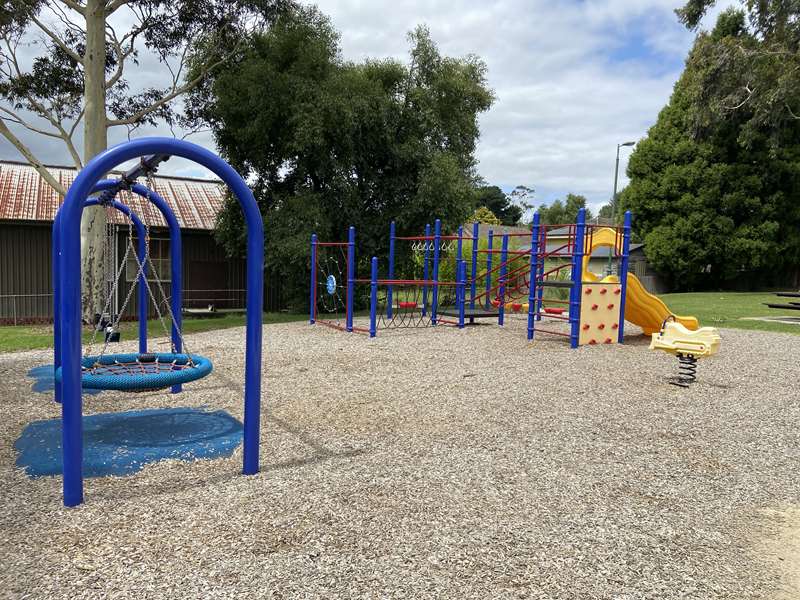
(390, 272)
(623, 274)
(502, 279)
(351, 275)
(476, 231)
(373, 297)
(576, 292)
(460, 247)
(533, 275)
(461, 291)
(425, 270)
(437, 240)
(312, 301)
(489, 261)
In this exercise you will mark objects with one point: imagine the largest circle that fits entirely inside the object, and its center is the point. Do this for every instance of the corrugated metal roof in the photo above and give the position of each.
(25, 196)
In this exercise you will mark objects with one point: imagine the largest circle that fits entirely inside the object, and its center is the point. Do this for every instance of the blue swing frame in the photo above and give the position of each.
(68, 264)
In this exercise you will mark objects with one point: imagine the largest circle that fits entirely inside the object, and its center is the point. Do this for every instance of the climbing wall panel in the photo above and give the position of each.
(599, 313)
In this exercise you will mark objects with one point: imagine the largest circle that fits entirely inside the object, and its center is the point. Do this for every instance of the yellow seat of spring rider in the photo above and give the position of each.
(677, 339)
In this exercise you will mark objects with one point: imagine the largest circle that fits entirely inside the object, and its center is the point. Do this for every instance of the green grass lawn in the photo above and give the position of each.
(14, 338)
(726, 309)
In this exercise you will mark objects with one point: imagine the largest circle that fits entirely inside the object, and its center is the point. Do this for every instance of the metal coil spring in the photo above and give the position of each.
(687, 371)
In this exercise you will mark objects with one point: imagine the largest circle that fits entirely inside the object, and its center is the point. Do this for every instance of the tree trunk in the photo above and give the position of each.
(95, 140)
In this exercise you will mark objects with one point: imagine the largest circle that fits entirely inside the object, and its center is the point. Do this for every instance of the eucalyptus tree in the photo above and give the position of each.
(70, 71)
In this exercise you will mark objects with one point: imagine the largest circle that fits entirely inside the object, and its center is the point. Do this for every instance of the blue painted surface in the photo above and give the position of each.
(44, 380)
(122, 443)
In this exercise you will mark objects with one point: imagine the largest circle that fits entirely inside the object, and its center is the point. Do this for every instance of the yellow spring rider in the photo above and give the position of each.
(687, 345)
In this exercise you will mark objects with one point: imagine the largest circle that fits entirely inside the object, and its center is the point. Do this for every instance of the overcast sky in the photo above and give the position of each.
(572, 79)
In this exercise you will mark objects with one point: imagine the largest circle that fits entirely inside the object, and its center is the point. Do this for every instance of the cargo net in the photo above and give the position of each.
(409, 304)
(330, 294)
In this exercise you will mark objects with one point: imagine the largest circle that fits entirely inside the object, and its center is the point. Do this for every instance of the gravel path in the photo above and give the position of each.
(433, 463)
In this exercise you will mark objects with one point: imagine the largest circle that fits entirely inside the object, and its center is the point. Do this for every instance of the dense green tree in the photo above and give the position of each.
(483, 214)
(501, 205)
(709, 208)
(748, 69)
(328, 143)
(563, 211)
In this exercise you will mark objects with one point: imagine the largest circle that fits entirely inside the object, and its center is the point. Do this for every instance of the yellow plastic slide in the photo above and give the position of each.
(642, 308)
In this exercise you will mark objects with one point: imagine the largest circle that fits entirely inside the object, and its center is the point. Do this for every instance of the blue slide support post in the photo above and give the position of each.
(489, 260)
(425, 270)
(312, 301)
(623, 274)
(576, 292)
(390, 272)
(502, 280)
(472, 291)
(437, 241)
(533, 275)
(351, 276)
(70, 296)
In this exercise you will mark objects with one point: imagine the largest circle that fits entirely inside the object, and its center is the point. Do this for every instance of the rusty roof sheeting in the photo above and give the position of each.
(25, 196)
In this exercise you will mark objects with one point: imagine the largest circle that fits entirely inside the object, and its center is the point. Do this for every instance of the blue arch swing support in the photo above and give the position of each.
(70, 296)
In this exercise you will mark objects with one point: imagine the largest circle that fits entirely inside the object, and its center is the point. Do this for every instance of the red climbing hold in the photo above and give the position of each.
(585, 327)
(592, 342)
(615, 326)
(610, 306)
(603, 291)
(588, 291)
(601, 326)
(608, 341)
(595, 307)
(618, 291)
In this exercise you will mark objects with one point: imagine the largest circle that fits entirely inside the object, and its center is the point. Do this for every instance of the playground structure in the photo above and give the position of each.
(142, 371)
(542, 276)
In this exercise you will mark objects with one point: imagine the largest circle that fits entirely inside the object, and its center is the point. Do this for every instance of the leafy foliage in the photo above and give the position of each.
(710, 208)
(499, 204)
(328, 143)
(747, 69)
(483, 214)
(566, 211)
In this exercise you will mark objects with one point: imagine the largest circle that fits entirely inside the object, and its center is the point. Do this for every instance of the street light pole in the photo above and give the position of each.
(614, 202)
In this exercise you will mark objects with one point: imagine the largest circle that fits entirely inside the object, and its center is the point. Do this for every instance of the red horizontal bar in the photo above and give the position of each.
(446, 321)
(407, 282)
(551, 316)
(551, 332)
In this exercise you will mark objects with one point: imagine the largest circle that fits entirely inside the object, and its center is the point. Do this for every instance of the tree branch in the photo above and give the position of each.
(35, 162)
(116, 5)
(176, 91)
(75, 56)
(15, 118)
(75, 6)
